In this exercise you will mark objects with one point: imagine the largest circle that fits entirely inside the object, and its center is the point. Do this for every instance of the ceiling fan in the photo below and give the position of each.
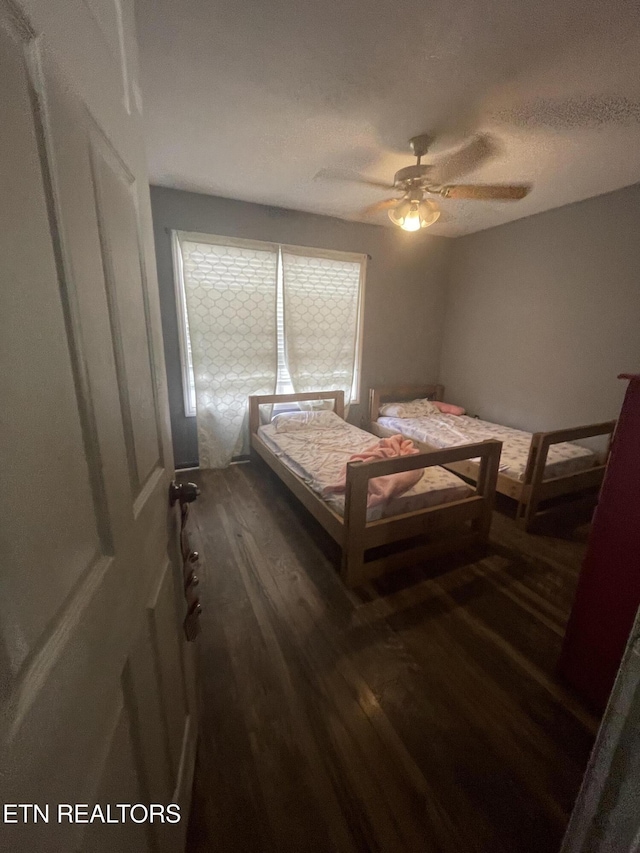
(413, 209)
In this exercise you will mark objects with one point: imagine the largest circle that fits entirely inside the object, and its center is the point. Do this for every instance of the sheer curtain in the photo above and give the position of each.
(230, 294)
(322, 297)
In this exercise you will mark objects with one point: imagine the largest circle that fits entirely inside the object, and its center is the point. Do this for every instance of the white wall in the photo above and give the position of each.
(543, 314)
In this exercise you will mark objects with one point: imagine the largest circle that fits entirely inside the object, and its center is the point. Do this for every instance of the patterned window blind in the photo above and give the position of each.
(230, 295)
(322, 307)
(255, 318)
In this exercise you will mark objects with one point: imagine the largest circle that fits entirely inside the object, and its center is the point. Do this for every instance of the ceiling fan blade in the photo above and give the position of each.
(354, 177)
(471, 156)
(379, 206)
(488, 192)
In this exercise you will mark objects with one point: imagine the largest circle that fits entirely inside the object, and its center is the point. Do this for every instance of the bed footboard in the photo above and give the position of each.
(361, 535)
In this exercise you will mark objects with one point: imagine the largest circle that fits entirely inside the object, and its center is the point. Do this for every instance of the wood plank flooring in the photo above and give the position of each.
(420, 713)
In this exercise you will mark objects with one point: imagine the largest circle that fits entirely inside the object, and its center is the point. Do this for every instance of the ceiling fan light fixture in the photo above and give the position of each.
(412, 215)
(411, 221)
(400, 212)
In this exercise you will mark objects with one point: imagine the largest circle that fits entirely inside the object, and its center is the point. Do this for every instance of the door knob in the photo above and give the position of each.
(186, 493)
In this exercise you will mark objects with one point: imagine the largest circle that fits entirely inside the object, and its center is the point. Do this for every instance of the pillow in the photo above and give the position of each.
(413, 409)
(294, 421)
(315, 405)
(449, 409)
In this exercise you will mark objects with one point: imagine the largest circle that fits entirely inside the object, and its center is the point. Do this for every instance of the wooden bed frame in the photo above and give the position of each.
(534, 488)
(354, 534)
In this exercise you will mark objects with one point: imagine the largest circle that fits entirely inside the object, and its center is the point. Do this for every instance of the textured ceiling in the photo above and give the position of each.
(250, 100)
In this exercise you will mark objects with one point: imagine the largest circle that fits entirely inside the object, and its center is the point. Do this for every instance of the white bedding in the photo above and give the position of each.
(451, 430)
(318, 457)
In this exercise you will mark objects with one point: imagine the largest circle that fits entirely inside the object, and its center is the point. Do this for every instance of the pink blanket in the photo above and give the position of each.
(382, 489)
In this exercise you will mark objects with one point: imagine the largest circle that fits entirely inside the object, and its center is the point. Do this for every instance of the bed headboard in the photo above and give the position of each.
(399, 393)
(256, 401)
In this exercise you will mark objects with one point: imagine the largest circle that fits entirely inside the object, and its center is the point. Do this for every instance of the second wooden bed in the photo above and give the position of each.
(441, 528)
(535, 487)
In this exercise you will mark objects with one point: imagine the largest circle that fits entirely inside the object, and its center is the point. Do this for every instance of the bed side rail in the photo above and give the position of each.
(536, 488)
(488, 452)
(542, 441)
(356, 540)
(359, 474)
(574, 433)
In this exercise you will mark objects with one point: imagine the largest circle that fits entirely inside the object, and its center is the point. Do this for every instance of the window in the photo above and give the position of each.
(318, 312)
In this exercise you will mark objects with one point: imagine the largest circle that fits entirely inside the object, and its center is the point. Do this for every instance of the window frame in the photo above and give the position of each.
(186, 362)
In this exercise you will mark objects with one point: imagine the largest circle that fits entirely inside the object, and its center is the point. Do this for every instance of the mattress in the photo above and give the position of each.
(451, 430)
(318, 457)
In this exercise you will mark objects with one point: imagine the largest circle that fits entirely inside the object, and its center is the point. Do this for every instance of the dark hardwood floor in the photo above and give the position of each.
(420, 713)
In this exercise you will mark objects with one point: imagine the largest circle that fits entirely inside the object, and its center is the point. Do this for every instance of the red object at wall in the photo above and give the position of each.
(608, 592)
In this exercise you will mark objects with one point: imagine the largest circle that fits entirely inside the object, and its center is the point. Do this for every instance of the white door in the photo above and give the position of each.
(96, 679)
